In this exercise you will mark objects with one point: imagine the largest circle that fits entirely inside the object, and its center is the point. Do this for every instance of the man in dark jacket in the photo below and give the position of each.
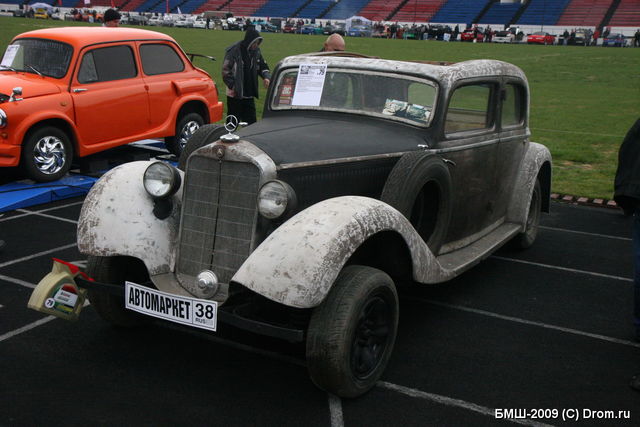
(242, 64)
(627, 196)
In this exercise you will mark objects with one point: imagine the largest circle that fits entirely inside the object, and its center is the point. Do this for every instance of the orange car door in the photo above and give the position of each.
(110, 96)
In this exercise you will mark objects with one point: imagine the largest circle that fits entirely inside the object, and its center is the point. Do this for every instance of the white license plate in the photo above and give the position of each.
(195, 312)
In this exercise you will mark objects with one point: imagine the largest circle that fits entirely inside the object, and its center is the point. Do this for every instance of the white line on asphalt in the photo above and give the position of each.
(40, 211)
(335, 408)
(17, 281)
(26, 258)
(529, 322)
(49, 216)
(606, 236)
(448, 401)
(26, 328)
(571, 270)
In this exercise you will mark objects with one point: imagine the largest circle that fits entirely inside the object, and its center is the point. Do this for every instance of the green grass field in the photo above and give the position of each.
(583, 99)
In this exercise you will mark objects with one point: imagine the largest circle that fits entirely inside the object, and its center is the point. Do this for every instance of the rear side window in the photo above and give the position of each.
(469, 108)
(513, 105)
(107, 64)
(160, 59)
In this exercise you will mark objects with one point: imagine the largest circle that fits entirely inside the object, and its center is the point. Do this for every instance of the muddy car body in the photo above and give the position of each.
(300, 225)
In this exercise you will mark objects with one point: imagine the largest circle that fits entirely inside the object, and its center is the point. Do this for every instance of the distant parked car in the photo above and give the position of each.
(615, 40)
(310, 29)
(266, 27)
(184, 22)
(469, 34)
(75, 91)
(582, 37)
(360, 31)
(505, 36)
(200, 22)
(540, 37)
(289, 28)
(334, 29)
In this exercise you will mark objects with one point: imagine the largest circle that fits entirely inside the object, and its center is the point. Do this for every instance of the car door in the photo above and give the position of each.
(470, 147)
(514, 134)
(161, 65)
(109, 95)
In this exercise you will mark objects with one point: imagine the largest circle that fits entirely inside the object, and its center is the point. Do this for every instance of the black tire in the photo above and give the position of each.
(47, 154)
(186, 126)
(116, 270)
(203, 136)
(351, 334)
(525, 239)
(419, 186)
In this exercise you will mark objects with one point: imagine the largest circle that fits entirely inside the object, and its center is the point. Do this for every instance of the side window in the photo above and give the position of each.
(513, 105)
(107, 64)
(469, 108)
(160, 59)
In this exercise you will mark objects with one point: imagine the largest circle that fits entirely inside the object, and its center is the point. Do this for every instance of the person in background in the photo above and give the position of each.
(242, 64)
(334, 43)
(627, 196)
(111, 18)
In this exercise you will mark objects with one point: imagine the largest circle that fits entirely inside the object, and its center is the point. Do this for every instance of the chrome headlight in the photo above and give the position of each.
(275, 199)
(161, 180)
(3, 118)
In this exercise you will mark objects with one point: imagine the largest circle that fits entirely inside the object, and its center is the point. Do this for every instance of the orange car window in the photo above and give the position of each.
(160, 59)
(107, 64)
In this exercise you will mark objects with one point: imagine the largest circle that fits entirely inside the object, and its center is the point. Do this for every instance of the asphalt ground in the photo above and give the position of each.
(544, 329)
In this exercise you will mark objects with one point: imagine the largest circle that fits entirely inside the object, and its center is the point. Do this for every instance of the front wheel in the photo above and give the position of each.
(186, 126)
(115, 271)
(47, 154)
(351, 334)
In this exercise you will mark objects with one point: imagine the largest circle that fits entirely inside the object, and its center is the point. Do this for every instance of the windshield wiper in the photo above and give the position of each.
(34, 69)
(9, 68)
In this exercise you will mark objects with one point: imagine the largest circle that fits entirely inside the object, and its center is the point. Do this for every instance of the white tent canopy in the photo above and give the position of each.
(41, 6)
(356, 20)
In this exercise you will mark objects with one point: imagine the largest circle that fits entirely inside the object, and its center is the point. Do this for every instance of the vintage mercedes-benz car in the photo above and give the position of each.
(68, 92)
(363, 173)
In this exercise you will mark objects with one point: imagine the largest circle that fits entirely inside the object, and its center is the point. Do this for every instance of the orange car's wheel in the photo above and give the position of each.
(46, 154)
(186, 126)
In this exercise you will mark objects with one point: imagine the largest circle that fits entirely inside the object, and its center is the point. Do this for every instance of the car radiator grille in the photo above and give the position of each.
(219, 213)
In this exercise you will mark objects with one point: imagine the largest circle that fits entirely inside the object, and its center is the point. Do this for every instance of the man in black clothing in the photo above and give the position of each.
(627, 196)
(242, 64)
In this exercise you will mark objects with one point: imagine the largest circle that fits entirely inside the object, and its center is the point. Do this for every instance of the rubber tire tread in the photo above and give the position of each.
(407, 178)
(113, 270)
(171, 142)
(329, 336)
(30, 168)
(203, 136)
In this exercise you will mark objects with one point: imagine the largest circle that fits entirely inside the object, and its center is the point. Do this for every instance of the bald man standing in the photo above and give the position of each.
(334, 43)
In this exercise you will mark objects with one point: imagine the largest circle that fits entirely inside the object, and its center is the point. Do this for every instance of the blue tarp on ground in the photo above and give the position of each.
(20, 194)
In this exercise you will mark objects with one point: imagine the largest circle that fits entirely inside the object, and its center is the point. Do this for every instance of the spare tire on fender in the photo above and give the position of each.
(204, 135)
(419, 186)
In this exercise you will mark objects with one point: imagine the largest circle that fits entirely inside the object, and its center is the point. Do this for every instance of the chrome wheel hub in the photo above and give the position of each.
(49, 155)
(187, 130)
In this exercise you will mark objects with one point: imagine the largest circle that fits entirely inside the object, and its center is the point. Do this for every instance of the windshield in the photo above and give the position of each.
(401, 98)
(48, 57)
(539, 34)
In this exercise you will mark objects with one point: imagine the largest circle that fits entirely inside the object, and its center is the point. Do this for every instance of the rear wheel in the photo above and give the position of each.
(115, 271)
(525, 239)
(351, 334)
(186, 126)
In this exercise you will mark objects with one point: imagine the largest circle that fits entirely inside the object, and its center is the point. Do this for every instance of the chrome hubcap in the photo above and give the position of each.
(187, 130)
(49, 155)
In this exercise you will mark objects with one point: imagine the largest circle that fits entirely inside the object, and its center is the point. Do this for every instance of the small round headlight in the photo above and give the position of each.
(275, 198)
(3, 118)
(161, 180)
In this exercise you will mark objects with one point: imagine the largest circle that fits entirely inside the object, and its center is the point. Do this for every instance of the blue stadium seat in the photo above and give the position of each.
(459, 11)
(545, 12)
(500, 13)
(346, 9)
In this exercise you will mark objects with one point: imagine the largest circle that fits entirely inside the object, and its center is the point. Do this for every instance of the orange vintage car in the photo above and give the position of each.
(68, 92)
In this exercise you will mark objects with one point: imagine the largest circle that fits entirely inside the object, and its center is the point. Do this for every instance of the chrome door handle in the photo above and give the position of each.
(79, 90)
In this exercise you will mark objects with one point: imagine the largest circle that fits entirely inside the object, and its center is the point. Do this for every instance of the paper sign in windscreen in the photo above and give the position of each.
(9, 55)
(309, 85)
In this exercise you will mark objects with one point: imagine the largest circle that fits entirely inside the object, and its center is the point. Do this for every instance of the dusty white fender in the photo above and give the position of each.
(117, 219)
(534, 158)
(298, 263)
